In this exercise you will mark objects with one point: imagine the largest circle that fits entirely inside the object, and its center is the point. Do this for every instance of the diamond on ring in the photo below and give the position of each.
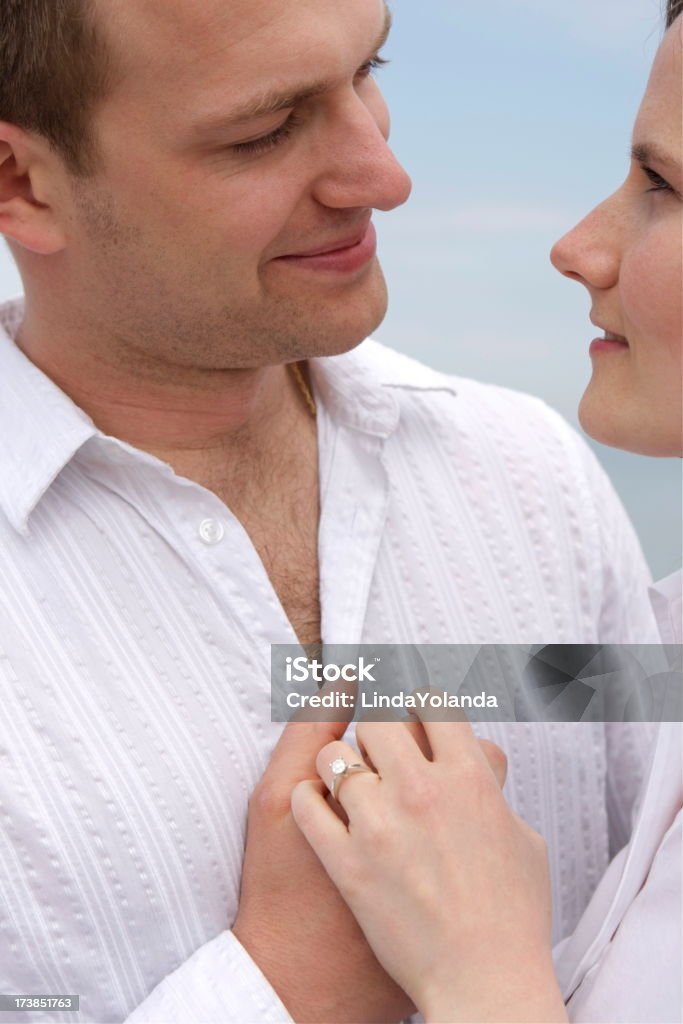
(341, 770)
(338, 766)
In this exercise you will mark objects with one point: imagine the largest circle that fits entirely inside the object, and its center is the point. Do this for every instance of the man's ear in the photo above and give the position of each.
(30, 175)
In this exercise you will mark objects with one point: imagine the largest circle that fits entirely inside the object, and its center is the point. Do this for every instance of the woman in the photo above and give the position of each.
(450, 887)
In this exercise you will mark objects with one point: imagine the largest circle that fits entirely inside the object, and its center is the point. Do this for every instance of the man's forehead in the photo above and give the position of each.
(150, 30)
(183, 35)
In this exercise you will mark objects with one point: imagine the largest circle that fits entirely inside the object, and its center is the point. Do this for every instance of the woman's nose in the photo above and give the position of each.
(591, 252)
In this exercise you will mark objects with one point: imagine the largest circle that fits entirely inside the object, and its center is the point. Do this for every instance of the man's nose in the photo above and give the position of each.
(361, 170)
(590, 252)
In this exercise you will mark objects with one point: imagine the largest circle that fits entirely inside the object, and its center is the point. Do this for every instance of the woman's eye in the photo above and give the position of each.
(372, 65)
(659, 184)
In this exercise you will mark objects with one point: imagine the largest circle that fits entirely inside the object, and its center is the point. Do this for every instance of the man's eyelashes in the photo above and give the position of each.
(267, 142)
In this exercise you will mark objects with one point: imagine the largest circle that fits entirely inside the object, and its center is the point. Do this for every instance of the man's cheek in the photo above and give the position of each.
(253, 223)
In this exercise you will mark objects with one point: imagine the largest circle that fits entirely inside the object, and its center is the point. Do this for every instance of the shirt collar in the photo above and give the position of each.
(359, 388)
(43, 429)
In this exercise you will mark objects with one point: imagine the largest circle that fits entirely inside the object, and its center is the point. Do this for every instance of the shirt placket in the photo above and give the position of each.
(353, 515)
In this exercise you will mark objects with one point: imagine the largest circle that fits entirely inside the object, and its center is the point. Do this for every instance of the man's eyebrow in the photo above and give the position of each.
(645, 153)
(274, 100)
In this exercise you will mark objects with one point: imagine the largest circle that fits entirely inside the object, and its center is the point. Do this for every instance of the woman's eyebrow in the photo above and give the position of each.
(645, 153)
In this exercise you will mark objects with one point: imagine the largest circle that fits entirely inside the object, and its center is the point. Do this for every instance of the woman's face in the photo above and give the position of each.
(628, 254)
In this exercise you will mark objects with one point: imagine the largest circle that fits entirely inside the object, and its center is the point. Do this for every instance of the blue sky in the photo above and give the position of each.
(514, 119)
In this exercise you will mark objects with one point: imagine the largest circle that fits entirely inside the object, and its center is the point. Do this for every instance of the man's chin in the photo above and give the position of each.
(298, 324)
(346, 323)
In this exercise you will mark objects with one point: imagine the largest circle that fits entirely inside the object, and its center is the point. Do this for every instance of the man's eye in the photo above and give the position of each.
(269, 141)
(659, 184)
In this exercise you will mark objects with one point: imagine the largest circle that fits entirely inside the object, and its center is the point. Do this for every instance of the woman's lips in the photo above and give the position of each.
(608, 343)
(343, 259)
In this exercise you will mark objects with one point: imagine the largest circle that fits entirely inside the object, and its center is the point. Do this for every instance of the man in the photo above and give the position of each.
(187, 476)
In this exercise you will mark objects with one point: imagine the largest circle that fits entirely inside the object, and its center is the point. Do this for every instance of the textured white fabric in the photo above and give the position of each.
(667, 601)
(134, 660)
(624, 961)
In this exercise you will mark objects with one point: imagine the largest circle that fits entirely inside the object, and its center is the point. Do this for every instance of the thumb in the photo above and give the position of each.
(308, 731)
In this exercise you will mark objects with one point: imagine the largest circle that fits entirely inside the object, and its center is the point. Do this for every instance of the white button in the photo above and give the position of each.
(211, 531)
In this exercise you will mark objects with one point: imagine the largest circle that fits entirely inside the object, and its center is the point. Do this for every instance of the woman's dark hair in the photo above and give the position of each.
(673, 9)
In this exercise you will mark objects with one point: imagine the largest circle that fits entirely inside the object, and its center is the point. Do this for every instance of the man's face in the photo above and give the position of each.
(188, 242)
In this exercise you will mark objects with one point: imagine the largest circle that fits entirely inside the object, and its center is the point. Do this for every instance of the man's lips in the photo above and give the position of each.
(344, 255)
(337, 246)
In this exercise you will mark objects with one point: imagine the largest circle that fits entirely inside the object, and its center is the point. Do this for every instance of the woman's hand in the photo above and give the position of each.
(450, 887)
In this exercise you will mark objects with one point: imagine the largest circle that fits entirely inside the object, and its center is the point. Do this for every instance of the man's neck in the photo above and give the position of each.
(247, 435)
(199, 421)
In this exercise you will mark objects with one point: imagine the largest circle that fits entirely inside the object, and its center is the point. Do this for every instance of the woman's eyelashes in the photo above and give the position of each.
(274, 138)
(659, 184)
(374, 64)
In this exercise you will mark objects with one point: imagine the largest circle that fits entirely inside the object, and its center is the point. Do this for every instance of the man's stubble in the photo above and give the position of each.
(161, 316)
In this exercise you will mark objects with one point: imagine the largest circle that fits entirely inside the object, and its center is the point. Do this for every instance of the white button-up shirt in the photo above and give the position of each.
(135, 628)
(623, 961)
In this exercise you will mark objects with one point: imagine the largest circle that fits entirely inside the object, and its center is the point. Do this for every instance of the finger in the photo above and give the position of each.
(390, 746)
(497, 759)
(335, 807)
(412, 725)
(294, 756)
(448, 731)
(351, 791)
(368, 716)
(320, 825)
(338, 712)
(495, 756)
(417, 731)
